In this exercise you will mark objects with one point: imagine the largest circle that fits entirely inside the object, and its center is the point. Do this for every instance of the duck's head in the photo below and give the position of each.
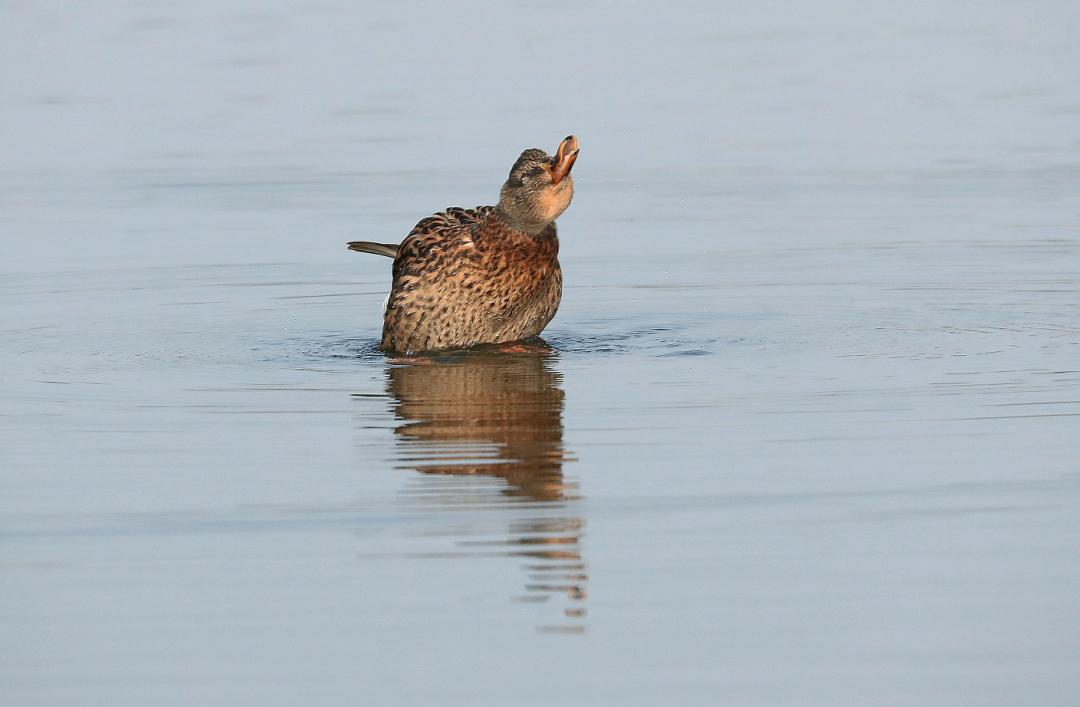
(539, 187)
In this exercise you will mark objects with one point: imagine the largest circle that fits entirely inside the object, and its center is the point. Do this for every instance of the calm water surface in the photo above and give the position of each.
(805, 430)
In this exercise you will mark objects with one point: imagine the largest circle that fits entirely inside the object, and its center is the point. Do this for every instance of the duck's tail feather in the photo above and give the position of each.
(387, 249)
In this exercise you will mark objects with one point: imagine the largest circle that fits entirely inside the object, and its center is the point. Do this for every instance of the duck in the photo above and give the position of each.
(465, 277)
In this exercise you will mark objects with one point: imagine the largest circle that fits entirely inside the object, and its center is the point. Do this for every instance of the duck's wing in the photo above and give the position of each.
(433, 228)
(431, 272)
(436, 234)
(450, 221)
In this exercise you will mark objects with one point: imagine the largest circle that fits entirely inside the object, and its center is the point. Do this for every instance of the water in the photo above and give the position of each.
(806, 432)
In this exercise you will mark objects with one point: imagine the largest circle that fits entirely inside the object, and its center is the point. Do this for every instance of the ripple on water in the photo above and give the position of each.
(656, 341)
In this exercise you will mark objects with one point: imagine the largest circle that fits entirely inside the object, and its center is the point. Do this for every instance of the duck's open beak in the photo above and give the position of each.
(564, 159)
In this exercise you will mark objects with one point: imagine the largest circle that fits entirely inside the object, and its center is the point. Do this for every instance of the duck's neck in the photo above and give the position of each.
(525, 223)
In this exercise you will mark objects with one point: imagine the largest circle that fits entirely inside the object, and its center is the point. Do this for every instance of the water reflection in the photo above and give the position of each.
(469, 419)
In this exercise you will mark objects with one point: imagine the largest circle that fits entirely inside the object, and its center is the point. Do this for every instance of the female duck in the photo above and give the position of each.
(487, 275)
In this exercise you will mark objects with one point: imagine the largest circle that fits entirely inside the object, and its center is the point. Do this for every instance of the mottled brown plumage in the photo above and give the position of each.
(487, 275)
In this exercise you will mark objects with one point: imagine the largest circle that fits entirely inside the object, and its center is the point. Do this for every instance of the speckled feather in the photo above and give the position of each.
(466, 276)
(488, 275)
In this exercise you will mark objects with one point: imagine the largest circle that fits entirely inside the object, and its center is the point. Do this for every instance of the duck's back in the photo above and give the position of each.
(464, 277)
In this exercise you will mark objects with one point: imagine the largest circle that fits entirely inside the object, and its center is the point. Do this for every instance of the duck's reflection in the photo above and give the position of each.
(496, 418)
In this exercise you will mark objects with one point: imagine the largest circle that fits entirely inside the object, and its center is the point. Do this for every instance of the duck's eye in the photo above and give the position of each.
(534, 171)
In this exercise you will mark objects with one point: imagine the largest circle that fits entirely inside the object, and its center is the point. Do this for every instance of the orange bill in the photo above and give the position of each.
(564, 158)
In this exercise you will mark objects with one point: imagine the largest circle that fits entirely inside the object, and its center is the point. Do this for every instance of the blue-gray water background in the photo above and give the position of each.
(810, 434)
